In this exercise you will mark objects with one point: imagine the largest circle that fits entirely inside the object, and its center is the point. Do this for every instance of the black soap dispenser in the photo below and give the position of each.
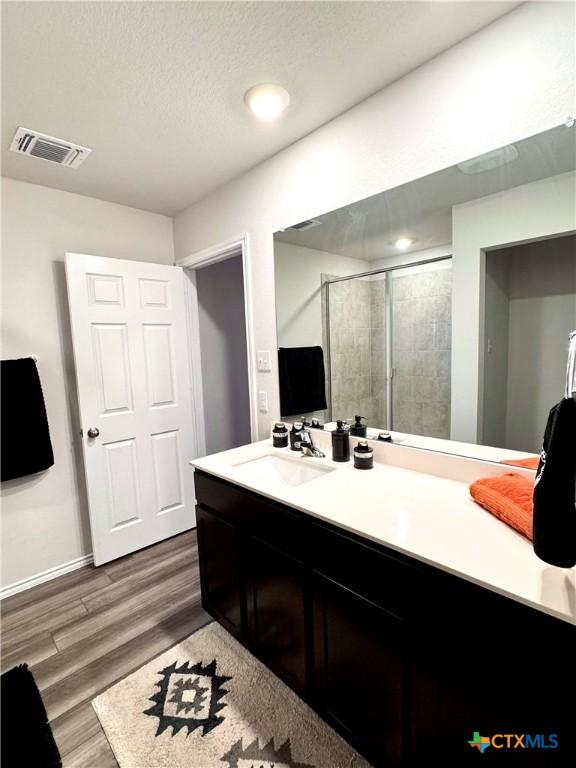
(280, 436)
(358, 429)
(341, 442)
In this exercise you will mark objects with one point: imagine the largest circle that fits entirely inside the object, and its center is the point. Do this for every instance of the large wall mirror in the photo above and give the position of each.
(439, 309)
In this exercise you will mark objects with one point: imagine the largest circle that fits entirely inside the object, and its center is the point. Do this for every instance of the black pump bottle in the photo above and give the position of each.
(341, 442)
(358, 429)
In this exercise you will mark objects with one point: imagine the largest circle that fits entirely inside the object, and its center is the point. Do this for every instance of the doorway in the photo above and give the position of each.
(223, 354)
(529, 312)
(220, 351)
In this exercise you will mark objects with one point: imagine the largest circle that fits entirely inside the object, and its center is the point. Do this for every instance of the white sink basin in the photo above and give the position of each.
(281, 469)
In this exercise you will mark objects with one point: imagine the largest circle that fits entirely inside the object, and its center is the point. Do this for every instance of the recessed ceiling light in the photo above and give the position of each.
(267, 102)
(403, 242)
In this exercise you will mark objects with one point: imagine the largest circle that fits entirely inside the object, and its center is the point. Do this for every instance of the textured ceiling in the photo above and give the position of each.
(156, 88)
(422, 209)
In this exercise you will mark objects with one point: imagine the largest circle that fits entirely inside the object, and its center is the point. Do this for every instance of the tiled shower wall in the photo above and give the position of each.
(421, 349)
(421, 352)
(378, 350)
(350, 351)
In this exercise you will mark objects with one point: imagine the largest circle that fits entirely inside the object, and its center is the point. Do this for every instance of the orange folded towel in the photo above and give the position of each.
(509, 498)
(529, 463)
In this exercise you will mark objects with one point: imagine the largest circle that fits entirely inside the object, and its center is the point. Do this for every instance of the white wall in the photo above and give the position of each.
(44, 517)
(298, 272)
(439, 251)
(529, 212)
(513, 79)
(222, 324)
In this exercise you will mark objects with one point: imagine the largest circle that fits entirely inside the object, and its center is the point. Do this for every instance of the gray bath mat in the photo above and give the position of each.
(208, 703)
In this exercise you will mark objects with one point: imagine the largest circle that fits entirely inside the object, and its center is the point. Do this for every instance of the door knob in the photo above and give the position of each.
(93, 432)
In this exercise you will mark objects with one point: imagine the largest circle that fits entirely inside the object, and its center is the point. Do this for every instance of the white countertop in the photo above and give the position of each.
(405, 505)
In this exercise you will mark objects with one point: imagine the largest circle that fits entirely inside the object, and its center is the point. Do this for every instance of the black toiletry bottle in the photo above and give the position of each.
(385, 437)
(554, 524)
(363, 456)
(305, 422)
(341, 442)
(280, 436)
(316, 424)
(295, 435)
(358, 429)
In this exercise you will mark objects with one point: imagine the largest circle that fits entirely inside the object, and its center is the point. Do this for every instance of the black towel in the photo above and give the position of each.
(555, 490)
(27, 739)
(25, 442)
(302, 380)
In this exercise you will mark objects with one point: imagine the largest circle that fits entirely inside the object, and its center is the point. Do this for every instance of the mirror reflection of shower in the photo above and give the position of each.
(440, 309)
(388, 337)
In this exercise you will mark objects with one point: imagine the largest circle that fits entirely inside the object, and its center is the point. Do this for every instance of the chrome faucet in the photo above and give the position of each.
(307, 445)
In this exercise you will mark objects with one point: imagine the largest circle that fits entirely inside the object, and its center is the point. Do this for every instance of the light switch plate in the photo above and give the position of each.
(263, 402)
(264, 360)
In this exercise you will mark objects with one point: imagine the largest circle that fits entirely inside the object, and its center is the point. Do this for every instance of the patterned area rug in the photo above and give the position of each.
(208, 703)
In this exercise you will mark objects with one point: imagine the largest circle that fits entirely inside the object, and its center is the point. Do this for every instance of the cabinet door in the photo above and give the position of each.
(500, 668)
(276, 611)
(219, 545)
(359, 670)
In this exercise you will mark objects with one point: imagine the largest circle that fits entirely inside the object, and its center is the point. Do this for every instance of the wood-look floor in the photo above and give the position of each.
(86, 630)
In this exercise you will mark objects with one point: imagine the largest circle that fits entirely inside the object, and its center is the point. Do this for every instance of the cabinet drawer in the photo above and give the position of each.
(253, 513)
(388, 582)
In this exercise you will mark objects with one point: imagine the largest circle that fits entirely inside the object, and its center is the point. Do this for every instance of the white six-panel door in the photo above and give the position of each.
(132, 366)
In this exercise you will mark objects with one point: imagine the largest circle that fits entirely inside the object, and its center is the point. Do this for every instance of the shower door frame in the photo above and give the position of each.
(389, 372)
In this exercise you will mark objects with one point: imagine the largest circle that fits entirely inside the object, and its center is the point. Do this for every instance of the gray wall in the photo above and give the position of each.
(222, 323)
(542, 314)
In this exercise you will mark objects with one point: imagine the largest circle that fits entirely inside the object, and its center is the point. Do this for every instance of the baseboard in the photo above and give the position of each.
(40, 578)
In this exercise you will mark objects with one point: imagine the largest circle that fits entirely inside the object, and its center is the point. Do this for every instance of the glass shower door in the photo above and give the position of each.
(420, 347)
(355, 321)
(389, 338)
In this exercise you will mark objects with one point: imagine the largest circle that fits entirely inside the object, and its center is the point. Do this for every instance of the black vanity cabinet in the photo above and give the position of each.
(404, 660)
(264, 546)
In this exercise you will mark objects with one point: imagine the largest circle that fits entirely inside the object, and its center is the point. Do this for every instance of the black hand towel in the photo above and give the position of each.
(302, 380)
(25, 442)
(555, 490)
(27, 739)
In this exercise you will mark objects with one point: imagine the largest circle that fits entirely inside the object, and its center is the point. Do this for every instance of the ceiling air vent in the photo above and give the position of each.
(308, 224)
(35, 144)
